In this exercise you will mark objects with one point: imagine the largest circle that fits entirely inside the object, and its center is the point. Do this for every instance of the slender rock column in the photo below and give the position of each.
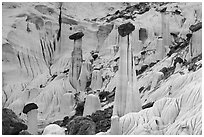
(165, 33)
(76, 60)
(96, 80)
(196, 45)
(127, 97)
(160, 49)
(115, 120)
(133, 102)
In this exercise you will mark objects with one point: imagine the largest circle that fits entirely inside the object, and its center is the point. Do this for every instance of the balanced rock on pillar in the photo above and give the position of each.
(125, 87)
(76, 60)
(32, 117)
(124, 95)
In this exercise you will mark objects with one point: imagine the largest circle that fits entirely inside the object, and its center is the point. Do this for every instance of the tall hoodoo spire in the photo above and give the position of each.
(76, 59)
(127, 97)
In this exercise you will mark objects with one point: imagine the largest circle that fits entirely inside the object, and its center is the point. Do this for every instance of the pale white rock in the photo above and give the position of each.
(121, 87)
(112, 84)
(170, 112)
(96, 80)
(102, 34)
(135, 40)
(67, 86)
(108, 75)
(112, 38)
(30, 95)
(38, 81)
(161, 50)
(156, 77)
(165, 31)
(178, 67)
(76, 64)
(92, 103)
(17, 106)
(85, 75)
(13, 92)
(115, 125)
(67, 104)
(127, 94)
(54, 129)
(32, 121)
(61, 64)
(196, 43)
(49, 99)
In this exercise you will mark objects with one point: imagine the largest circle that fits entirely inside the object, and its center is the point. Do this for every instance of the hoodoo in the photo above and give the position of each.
(31, 110)
(127, 97)
(76, 60)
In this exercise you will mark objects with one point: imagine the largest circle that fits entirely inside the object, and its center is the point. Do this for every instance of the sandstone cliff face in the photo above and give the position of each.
(38, 59)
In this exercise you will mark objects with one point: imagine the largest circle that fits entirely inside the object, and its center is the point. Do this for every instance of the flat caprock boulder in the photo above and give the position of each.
(76, 36)
(126, 29)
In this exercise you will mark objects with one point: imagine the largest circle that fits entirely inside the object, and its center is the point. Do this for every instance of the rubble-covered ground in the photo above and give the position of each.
(38, 56)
